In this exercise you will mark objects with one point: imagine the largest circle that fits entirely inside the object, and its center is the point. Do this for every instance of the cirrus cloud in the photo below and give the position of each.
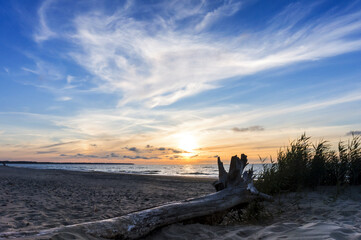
(171, 55)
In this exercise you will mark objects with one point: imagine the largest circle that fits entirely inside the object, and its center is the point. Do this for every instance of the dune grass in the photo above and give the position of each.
(305, 165)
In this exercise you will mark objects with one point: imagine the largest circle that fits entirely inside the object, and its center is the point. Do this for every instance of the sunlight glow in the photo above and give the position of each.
(188, 143)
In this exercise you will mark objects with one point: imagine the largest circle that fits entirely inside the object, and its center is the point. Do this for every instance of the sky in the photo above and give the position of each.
(175, 82)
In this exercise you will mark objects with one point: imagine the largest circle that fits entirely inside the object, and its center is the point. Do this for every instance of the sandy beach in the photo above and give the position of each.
(40, 199)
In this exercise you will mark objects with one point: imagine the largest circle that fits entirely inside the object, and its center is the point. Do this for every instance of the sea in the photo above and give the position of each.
(200, 170)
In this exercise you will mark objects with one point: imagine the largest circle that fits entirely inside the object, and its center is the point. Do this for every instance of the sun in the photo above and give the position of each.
(187, 142)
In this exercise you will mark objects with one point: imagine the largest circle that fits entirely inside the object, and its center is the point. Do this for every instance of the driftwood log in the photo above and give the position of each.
(233, 188)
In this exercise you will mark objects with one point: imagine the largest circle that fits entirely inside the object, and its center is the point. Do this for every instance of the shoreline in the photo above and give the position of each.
(70, 163)
(201, 171)
(189, 176)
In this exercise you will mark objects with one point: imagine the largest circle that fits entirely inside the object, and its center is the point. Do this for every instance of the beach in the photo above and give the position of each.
(34, 199)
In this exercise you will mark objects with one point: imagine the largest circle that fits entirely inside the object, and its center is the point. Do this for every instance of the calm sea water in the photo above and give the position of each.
(203, 170)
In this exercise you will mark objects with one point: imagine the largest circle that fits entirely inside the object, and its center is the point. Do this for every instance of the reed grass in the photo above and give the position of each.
(305, 165)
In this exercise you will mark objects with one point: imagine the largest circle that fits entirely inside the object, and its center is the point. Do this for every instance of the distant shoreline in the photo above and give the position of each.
(34, 162)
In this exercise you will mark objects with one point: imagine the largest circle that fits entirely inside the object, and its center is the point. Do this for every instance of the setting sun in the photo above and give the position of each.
(187, 142)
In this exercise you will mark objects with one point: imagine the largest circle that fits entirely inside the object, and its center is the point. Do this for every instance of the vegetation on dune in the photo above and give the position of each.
(303, 164)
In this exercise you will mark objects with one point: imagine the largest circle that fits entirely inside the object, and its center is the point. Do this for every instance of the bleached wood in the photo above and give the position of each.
(221, 183)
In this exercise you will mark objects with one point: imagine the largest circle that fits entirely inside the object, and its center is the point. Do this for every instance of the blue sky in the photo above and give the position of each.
(175, 81)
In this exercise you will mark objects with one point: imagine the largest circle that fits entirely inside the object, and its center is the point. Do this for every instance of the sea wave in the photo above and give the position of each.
(195, 173)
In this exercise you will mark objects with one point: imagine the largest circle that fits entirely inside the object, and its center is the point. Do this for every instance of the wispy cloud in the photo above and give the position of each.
(227, 9)
(64, 98)
(45, 152)
(248, 129)
(162, 66)
(156, 150)
(43, 31)
(80, 155)
(164, 150)
(132, 149)
(139, 157)
(46, 72)
(113, 155)
(30, 70)
(58, 144)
